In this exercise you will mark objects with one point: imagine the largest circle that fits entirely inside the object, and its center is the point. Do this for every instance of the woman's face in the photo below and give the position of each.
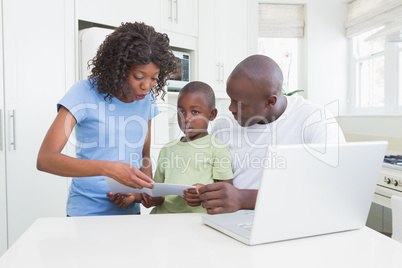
(140, 80)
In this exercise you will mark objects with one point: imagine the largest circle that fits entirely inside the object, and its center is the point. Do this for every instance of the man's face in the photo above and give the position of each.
(247, 104)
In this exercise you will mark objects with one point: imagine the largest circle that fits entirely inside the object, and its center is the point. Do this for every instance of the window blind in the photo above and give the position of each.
(365, 15)
(280, 21)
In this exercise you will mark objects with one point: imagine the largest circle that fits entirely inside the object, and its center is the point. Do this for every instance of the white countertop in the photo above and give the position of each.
(181, 240)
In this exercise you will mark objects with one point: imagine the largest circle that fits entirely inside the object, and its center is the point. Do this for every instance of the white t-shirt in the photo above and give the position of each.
(302, 123)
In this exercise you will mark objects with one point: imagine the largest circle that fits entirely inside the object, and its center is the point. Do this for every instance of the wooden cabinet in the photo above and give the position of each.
(38, 66)
(222, 40)
(180, 16)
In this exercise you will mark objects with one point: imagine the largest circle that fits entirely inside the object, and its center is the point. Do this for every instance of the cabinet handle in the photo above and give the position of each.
(220, 71)
(217, 72)
(223, 72)
(176, 17)
(13, 143)
(1, 130)
(170, 15)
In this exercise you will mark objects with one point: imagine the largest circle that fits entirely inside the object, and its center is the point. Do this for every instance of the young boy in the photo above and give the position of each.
(196, 158)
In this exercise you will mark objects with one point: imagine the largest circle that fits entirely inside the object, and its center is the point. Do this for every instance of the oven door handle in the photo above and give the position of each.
(384, 194)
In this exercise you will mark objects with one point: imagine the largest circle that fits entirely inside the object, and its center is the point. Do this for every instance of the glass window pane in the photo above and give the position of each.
(370, 83)
(283, 51)
(400, 77)
(378, 83)
(364, 49)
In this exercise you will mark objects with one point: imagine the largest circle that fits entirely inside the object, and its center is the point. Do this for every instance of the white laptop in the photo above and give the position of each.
(308, 190)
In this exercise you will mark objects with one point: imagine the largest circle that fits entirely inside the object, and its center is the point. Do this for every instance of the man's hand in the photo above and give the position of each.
(223, 197)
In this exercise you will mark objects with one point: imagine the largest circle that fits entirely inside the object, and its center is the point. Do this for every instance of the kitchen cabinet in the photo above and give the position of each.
(113, 13)
(222, 40)
(3, 196)
(177, 18)
(159, 129)
(180, 16)
(38, 65)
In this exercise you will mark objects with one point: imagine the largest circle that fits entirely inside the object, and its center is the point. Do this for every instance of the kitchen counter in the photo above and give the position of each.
(181, 240)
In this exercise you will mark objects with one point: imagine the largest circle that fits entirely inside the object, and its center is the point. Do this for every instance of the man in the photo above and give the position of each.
(262, 116)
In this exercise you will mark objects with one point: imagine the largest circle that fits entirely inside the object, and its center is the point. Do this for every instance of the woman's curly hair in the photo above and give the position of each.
(131, 44)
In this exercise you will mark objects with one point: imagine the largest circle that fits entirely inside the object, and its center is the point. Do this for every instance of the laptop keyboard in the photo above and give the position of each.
(246, 225)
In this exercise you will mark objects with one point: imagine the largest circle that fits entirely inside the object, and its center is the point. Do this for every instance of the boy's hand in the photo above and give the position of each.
(192, 196)
(151, 201)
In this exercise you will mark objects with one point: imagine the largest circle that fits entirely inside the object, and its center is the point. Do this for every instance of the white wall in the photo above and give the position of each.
(324, 51)
(327, 52)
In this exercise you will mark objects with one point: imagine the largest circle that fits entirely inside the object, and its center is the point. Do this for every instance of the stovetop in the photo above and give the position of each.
(391, 173)
(393, 159)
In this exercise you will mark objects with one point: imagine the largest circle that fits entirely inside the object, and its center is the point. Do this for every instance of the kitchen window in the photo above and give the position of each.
(375, 32)
(284, 51)
(376, 75)
(400, 76)
(280, 31)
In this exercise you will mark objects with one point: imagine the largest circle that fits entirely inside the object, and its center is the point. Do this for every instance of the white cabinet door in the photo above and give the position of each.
(35, 78)
(3, 193)
(207, 54)
(159, 131)
(232, 38)
(222, 40)
(89, 41)
(180, 16)
(113, 13)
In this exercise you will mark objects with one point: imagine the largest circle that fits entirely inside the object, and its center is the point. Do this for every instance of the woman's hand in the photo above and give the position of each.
(123, 200)
(127, 175)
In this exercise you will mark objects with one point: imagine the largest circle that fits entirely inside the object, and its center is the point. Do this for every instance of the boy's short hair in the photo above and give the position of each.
(200, 87)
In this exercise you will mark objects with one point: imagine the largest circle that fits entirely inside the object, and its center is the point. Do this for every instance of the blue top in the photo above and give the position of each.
(113, 131)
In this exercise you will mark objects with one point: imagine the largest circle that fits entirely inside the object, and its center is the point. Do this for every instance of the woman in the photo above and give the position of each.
(111, 113)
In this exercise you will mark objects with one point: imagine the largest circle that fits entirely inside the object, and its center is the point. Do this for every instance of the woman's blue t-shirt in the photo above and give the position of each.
(113, 131)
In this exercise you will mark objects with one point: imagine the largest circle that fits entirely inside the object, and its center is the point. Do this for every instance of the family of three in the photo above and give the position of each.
(111, 114)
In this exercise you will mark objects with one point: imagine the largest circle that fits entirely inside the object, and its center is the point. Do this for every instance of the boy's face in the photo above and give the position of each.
(194, 114)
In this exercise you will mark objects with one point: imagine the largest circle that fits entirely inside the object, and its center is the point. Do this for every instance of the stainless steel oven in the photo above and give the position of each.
(179, 79)
(389, 183)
